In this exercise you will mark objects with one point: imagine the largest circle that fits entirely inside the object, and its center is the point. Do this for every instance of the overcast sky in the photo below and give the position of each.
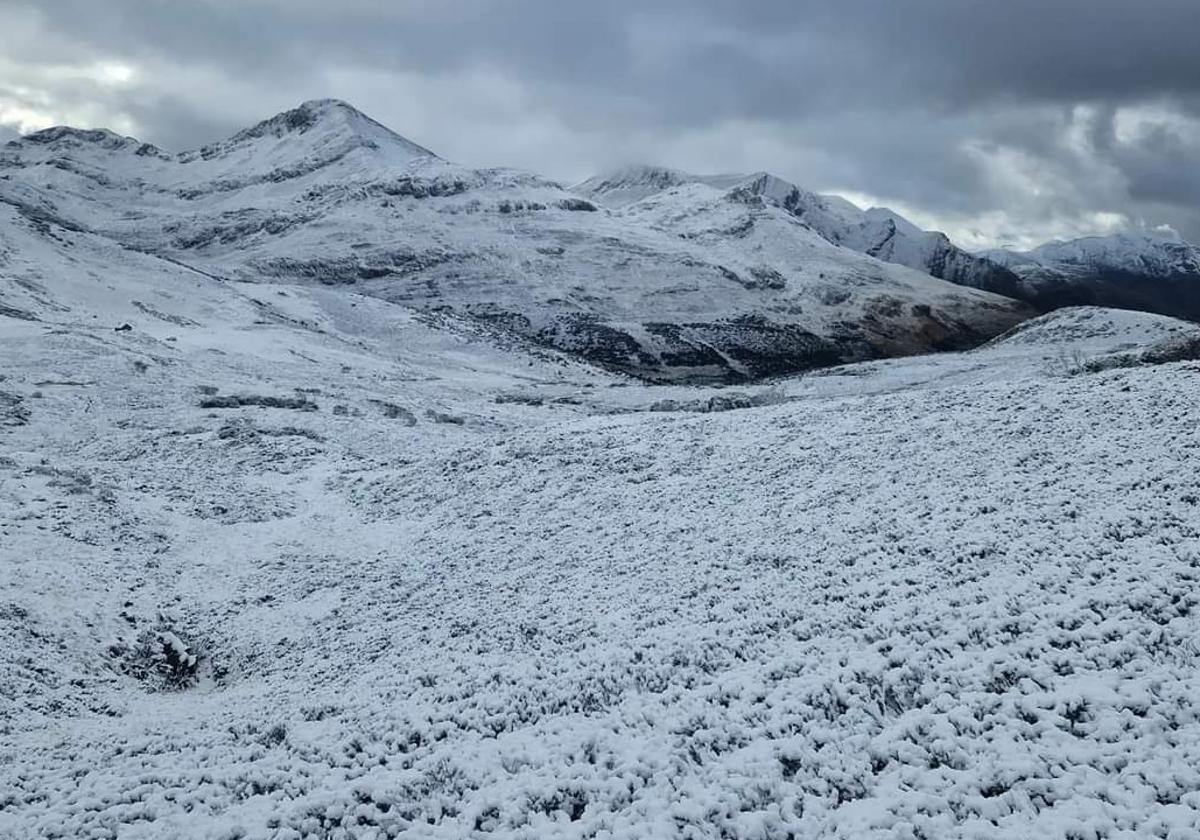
(999, 122)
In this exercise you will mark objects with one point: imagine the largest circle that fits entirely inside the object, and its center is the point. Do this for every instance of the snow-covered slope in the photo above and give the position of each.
(1150, 273)
(167, 323)
(324, 195)
(877, 232)
(287, 561)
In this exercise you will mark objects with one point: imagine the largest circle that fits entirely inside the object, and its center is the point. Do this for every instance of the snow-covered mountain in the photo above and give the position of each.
(324, 195)
(877, 232)
(1151, 273)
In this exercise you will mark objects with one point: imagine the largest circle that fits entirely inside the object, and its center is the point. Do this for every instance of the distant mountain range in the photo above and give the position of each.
(654, 272)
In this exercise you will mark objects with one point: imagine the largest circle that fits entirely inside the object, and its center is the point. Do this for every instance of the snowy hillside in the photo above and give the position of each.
(324, 195)
(877, 232)
(287, 561)
(1149, 273)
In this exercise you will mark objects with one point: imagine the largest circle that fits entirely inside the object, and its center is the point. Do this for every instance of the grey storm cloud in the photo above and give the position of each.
(997, 120)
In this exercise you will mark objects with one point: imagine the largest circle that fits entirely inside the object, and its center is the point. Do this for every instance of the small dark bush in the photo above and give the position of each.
(159, 656)
(296, 403)
(577, 204)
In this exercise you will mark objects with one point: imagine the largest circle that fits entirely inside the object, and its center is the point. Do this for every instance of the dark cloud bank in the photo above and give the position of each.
(998, 121)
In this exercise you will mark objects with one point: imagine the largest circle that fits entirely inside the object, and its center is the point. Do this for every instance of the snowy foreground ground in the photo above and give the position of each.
(454, 591)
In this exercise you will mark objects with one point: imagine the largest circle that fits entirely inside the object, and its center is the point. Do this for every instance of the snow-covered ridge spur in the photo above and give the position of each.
(878, 231)
(1144, 272)
(1152, 273)
(732, 286)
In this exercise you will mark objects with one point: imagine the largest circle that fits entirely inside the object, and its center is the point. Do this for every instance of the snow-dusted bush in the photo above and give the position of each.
(162, 656)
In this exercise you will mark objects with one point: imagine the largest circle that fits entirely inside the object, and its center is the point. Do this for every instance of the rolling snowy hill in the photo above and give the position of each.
(324, 195)
(1149, 273)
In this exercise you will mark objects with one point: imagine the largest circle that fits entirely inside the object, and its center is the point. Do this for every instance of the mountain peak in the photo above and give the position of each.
(628, 184)
(639, 178)
(330, 118)
(301, 119)
(72, 142)
(65, 134)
